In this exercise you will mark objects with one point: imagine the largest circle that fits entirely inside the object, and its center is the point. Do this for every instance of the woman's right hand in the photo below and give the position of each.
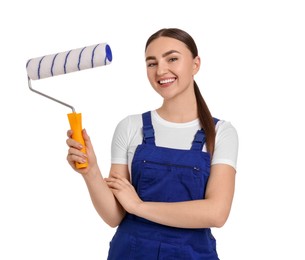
(76, 155)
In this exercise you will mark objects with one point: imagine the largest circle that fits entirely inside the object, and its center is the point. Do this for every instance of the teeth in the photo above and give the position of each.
(166, 81)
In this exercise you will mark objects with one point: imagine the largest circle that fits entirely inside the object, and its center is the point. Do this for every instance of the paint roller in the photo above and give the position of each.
(66, 62)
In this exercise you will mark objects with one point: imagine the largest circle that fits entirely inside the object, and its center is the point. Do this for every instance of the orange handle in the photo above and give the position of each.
(75, 120)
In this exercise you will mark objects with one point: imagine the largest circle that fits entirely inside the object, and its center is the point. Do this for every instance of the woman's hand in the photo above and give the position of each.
(124, 192)
(76, 155)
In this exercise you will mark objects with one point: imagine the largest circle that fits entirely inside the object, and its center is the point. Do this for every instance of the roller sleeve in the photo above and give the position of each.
(69, 61)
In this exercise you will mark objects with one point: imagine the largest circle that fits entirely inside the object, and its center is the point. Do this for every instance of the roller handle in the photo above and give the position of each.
(75, 120)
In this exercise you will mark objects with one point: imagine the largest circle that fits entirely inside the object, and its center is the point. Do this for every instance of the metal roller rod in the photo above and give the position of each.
(49, 97)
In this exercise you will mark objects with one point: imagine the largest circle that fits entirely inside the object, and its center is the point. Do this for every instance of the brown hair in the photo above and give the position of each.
(204, 114)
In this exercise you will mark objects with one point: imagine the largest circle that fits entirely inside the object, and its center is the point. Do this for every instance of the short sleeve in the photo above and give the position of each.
(119, 145)
(226, 144)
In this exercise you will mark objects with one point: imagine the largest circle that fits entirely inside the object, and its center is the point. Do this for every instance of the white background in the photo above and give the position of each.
(252, 74)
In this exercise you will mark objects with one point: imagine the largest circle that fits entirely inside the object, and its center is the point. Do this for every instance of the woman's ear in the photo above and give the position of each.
(196, 65)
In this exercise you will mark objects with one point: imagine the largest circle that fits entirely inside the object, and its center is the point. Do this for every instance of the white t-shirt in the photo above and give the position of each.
(128, 135)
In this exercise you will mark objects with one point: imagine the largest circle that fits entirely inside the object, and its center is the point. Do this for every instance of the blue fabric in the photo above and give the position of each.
(163, 174)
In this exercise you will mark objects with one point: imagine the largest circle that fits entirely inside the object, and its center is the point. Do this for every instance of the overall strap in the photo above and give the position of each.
(198, 141)
(200, 138)
(148, 130)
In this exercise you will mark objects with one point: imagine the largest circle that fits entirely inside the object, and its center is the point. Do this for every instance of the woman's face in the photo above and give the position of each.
(170, 67)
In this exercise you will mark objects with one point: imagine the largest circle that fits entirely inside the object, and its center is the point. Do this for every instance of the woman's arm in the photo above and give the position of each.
(212, 211)
(102, 197)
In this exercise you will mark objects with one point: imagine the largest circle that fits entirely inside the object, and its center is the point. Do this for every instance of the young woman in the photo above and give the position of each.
(173, 169)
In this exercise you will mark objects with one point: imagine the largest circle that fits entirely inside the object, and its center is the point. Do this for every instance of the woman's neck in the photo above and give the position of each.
(179, 112)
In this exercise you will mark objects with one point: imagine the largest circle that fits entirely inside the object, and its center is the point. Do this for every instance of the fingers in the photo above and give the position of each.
(75, 155)
(69, 133)
(87, 140)
(117, 182)
(73, 143)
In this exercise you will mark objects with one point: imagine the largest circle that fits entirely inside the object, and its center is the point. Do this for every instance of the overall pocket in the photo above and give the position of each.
(165, 182)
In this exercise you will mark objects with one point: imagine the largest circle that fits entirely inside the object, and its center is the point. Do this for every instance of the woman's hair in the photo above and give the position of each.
(204, 114)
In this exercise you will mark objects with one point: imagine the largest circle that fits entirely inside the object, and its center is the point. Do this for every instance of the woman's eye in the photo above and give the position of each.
(151, 64)
(173, 59)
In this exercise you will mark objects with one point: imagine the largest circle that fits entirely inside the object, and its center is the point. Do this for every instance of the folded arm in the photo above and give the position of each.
(212, 211)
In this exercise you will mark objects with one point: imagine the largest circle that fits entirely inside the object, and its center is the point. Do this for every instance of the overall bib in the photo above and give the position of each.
(163, 174)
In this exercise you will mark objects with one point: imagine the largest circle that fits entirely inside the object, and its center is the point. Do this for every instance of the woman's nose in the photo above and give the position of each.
(162, 68)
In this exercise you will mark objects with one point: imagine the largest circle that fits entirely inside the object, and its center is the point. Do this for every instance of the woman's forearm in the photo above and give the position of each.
(189, 214)
(103, 199)
(212, 211)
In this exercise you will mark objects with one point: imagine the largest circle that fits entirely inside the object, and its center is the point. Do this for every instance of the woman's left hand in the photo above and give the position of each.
(124, 192)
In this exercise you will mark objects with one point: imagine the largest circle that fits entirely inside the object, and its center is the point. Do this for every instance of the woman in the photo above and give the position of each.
(173, 169)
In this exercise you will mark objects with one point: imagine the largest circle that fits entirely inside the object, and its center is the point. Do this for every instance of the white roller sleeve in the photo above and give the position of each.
(69, 61)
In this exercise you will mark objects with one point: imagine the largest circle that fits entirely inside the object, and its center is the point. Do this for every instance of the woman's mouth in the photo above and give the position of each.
(165, 82)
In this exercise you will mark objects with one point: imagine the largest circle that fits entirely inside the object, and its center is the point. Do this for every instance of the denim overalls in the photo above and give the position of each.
(163, 174)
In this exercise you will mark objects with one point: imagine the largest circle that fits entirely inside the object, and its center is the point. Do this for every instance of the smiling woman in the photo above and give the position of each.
(179, 62)
(173, 169)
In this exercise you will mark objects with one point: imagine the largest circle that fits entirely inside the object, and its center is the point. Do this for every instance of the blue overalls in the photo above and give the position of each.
(163, 174)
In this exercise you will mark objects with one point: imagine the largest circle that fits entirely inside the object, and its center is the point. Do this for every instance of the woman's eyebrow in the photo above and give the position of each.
(170, 52)
(163, 55)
